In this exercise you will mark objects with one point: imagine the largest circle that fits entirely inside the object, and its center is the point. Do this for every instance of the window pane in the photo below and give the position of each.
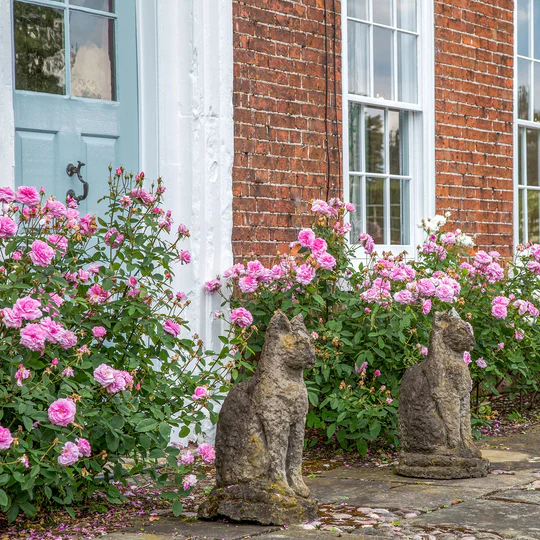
(382, 12)
(523, 19)
(536, 31)
(374, 119)
(521, 192)
(382, 63)
(532, 215)
(399, 211)
(532, 157)
(357, 9)
(398, 142)
(407, 68)
(536, 86)
(523, 89)
(375, 209)
(354, 137)
(358, 61)
(406, 14)
(102, 5)
(92, 56)
(39, 48)
(355, 196)
(521, 134)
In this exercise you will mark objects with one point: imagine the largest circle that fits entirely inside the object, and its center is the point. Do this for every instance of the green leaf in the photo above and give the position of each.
(146, 425)
(4, 500)
(170, 495)
(177, 508)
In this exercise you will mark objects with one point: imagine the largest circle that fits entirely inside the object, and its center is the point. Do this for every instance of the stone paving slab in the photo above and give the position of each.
(530, 496)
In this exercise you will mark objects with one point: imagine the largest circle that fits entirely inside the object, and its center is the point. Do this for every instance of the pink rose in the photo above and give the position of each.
(482, 259)
(55, 208)
(62, 412)
(242, 317)
(467, 357)
(255, 269)
(8, 227)
(97, 294)
(68, 372)
(236, 270)
(187, 458)
(52, 330)
(27, 308)
(27, 195)
(305, 274)
(404, 297)
(143, 195)
(499, 311)
(445, 293)
(87, 225)
(11, 319)
(376, 373)
(189, 481)
(7, 195)
(118, 384)
(360, 369)
(248, 284)
(70, 454)
(426, 306)
(185, 257)
(326, 261)
(59, 242)
(200, 393)
(306, 237)
(84, 447)
(212, 286)
(5, 438)
(172, 328)
(319, 207)
(481, 363)
(67, 339)
(113, 238)
(33, 337)
(367, 243)
(42, 254)
(104, 375)
(98, 332)
(424, 351)
(319, 246)
(207, 453)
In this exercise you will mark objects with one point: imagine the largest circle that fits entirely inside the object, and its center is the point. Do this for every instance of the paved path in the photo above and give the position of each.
(374, 504)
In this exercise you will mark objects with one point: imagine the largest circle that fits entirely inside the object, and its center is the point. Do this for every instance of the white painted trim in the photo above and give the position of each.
(515, 213)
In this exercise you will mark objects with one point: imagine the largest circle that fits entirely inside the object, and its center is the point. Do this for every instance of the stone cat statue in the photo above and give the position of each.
(434, 407)
(260, 434)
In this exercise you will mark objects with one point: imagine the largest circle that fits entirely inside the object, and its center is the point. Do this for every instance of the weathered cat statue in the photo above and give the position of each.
(434, 408)
(260, 435)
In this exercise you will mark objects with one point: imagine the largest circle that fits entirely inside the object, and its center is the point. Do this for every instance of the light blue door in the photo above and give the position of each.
(75, 93)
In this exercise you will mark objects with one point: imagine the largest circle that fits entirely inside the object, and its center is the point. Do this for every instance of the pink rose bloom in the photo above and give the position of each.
(7, 195)
(518, 335)
(445, 293)
(502, 300)
(242, 317)
(113, 238)
(189, 481)
(500, 346)
(8, 227)
(183, 230)
(212, 286)
(55, 208)
(319, 246)
(11, 318)
(5, 438)
(62, 412)
(132, 281)
(207, 453)
(33, 337)
(277, 271)
(494, 272)
(470, 269)
(360, 369)
(98, 332)
(248, 284)
(67, 339)
(68, 372)
(424, 351)
(499, 311)
(320, 207)
(53, 330)
(185, 257)
(325, 261)
(16, 255)
(27, 308)
(449, 239)
(376, 373)
(482, 259)
(200, 393)
(404, 297)
(187, 458)
(59, 242)
(104, 375)
(367, 243)
(84, 447)
(97, 294)
(236, 270)
(143, 195)
(481, 363)
(128, 379)
(426, 306)
(522, 306)
(533, 311)
(467, 357)
(306, 237)
(21, 374)
(535, 250)
(70, 454)
(172, 328)
(305, 274)
(119, 383)
(27, 195)
(42, 254)
(255, 269)
(83, 275)
(87, 225)
(389, 400)
(349, 207)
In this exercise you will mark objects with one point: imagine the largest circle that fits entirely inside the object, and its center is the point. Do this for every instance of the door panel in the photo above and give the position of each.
(40, 150)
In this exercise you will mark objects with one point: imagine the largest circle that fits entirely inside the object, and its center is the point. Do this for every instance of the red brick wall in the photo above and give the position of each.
(284, 104)
(474, 116)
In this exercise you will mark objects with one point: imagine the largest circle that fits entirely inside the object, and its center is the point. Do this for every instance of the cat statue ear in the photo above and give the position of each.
(298, 324)
(279, 324)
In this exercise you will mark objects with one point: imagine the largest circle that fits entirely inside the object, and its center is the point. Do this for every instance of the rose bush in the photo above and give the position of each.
(97, 360)
(370, 316)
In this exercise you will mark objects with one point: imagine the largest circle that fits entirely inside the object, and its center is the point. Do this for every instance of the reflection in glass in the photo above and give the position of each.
(382, 12)
(92, 56)
(532, 157)
(521, 135)
(523, 88)
(523, 11)
(399, 211)
(374, 126)
(398, 142)
(39, 48)
(407, 68)
(533, 215)
(382, 63)
(375, 209)
(354, 136)
(102, 5)
(358, 58)
(355, 196)
(406, 14)
(357, 9)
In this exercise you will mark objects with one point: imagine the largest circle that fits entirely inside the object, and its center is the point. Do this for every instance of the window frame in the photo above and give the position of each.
(421, 127)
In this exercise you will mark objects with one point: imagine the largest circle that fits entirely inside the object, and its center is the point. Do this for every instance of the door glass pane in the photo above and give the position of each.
(355, 196)
(382, 12)
(524, 9)
(536, 87)
(382, 63)
(523, 88)
(354, 137)
(357, 9)
(406, 14)
(532, 215)
(39, 48)
(398, 142)
(536, 28)
(375, 209)
(92, 56)
(374, 119)
(521, 134)
(407, 68)
(521, 192)
(358, 58)
(102, 5)
(399, 211)
(532, 157)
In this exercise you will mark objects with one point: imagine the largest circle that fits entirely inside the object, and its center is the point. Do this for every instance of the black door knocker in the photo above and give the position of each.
(71, 170)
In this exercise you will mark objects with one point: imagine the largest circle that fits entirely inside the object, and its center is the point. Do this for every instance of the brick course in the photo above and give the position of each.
(474, 61)
(286, 100)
